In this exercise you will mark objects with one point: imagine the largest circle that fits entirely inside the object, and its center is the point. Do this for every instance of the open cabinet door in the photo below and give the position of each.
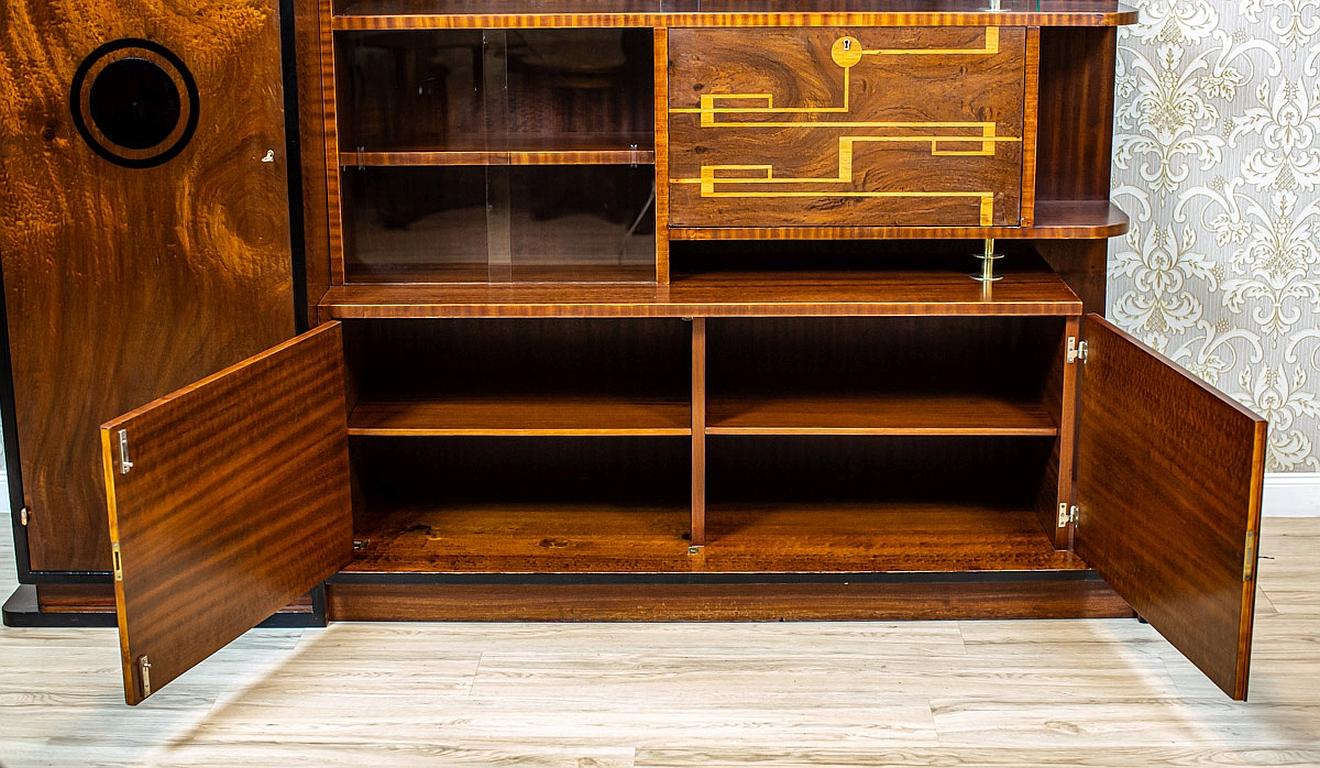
(1169, 474)
(228, 499)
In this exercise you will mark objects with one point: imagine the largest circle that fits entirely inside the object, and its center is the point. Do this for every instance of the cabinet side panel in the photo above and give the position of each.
(139, 266)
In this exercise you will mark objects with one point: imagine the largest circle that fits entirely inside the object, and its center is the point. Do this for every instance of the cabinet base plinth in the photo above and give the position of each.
(93, 605)
(1035, 596)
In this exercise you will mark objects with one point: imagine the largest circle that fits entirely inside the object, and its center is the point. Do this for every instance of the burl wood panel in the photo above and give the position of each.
(122, 284)
(1169, 476)
(236, 503)
(846, 126)
(1027, 599)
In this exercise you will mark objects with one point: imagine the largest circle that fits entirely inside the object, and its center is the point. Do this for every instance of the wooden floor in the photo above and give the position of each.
(1043, 693)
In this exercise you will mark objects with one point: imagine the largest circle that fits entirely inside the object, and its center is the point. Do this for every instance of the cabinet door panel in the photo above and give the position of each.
(1169, 474)
(233, 500)
(859, 126)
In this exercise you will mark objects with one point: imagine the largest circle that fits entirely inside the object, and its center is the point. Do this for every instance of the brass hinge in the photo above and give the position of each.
(144, 670)
(124, 463)
(117, 560)
(1249, 559)
(23, 516)
(1076, 350)
(1067, 514)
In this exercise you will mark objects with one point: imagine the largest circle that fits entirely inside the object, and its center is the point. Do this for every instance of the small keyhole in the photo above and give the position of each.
(847, 44)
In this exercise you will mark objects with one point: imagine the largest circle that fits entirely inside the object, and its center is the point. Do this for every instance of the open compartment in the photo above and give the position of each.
(535, 376)
(441, 224)
(510, 505)
(981, 375)
(450, 95)
(878, 504)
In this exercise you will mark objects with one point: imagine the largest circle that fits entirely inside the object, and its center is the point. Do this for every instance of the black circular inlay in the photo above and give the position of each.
(138, 94)
(134, 103)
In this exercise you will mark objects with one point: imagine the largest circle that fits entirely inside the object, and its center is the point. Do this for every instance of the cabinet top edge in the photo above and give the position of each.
(586, 14)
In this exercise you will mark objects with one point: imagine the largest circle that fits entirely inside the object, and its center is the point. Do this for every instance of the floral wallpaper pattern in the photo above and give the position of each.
(1217, 160)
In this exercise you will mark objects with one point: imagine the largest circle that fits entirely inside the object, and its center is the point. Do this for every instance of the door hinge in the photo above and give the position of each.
(117, 560)
(1249, 558)
(1067, 514)
(124, 463)
(23, 515)
(144, 670)
(1076, 350)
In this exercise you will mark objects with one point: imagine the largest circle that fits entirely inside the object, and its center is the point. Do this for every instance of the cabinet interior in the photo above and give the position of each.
(832, 444)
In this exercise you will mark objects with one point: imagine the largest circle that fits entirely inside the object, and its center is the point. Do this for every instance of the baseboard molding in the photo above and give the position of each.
(1292, 494)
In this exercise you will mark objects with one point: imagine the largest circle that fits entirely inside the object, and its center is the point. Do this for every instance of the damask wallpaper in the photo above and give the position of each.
(1217, 160)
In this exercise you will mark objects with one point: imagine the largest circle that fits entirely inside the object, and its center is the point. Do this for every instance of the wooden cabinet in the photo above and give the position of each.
(558, 370)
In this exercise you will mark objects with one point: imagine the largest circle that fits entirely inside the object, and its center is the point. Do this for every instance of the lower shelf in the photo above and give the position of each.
(888, 414)
(825, 537)
(539, 415)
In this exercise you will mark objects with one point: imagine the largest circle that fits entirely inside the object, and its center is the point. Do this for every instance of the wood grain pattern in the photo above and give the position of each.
(528, 416)
(307, 31)
(1169, 475)
(1061, 219)
(330, 128)
(1031, 117)
(660, 64)
(122, 284)
(725, 602)
(236, 502)
(760, 294)
(881, 414)
(835, 136)
(1075, 114)
(464, 14)
(699, 420)
(565, 536)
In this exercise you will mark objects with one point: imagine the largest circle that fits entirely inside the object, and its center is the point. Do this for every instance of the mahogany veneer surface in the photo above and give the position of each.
(423, 14)
(806, 537)
(121, 283)
(1044, 599)
(237, 503)
(881, 414)
(721, 294)
(1169, 477)
(526, 415)
(786, 128)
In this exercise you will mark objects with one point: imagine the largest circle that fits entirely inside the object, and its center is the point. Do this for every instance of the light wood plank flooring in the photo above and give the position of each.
(1042, 693)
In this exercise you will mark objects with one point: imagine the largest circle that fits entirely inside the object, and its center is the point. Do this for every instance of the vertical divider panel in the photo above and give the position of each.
(698, 431)
(330, 97)
(1030, 110)
(660, 41)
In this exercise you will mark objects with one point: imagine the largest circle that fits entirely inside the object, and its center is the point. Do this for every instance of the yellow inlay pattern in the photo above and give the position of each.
(946, 139)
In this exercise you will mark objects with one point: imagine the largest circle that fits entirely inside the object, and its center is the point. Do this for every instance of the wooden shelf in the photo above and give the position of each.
(469, 14)
(880, 414)
(512, 415)
(827, 537)
(716, 294)
(1055, 220)
(562, 149)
